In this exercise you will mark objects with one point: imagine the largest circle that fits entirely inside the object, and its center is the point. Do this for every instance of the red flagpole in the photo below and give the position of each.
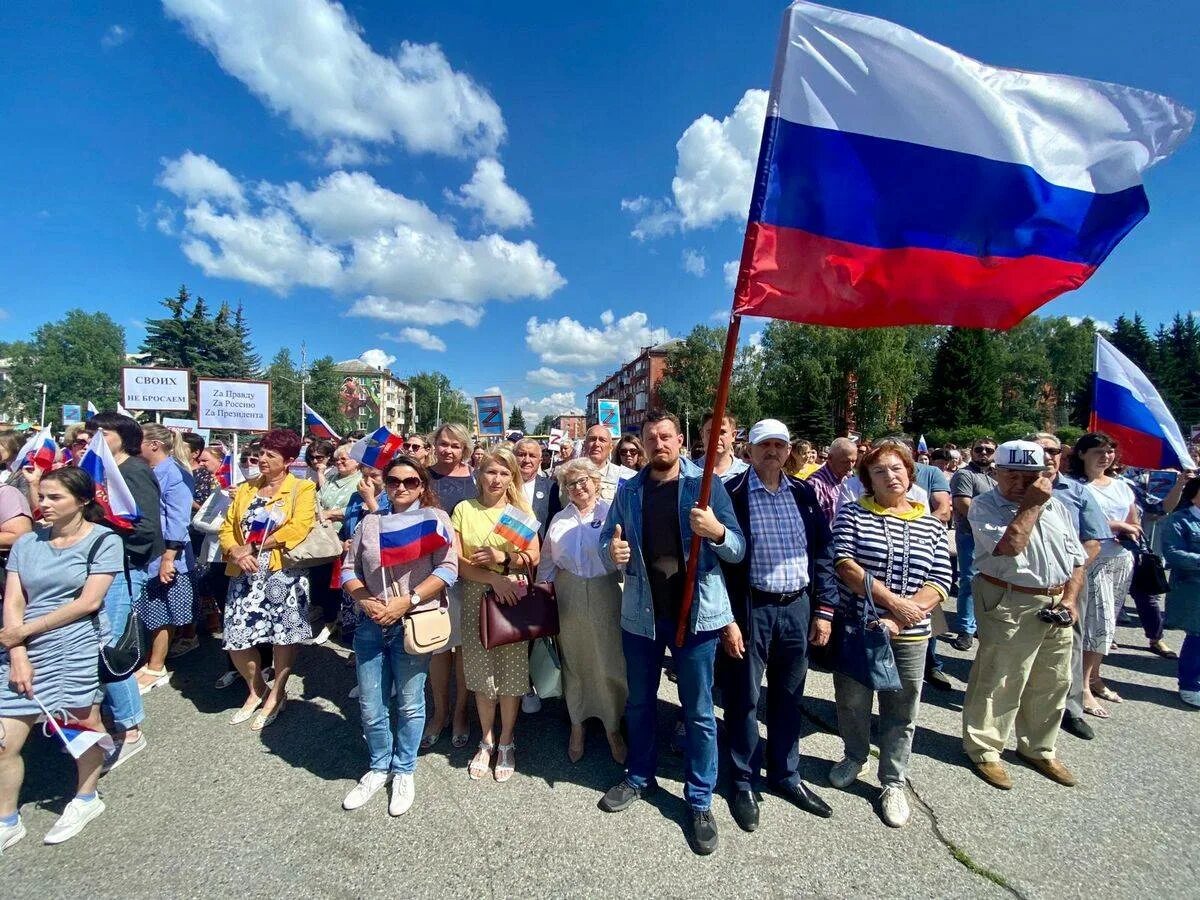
(710, 460)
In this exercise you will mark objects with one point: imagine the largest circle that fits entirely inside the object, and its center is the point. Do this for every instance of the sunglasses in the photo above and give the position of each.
(1050, 451)
(409, 484)
(628, 451)
(417, 447)
(986, 451)
(317, 456)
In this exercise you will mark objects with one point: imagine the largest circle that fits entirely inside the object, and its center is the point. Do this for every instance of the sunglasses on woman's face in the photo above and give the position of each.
(409, 484)
(628, 451)
(414, 447)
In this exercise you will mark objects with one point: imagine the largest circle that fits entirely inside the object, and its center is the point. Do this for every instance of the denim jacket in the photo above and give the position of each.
(710, 604)
(1181, 552)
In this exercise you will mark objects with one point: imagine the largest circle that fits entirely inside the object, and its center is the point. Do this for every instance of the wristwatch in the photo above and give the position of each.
(414, 598)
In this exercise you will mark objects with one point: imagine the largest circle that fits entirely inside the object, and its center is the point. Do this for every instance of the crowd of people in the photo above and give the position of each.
(838, 557)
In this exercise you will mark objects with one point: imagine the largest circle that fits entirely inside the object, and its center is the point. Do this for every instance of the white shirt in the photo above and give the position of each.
(852, 489)
(1114, 498)
(573, 543)
(528, 487)
(1050, 557)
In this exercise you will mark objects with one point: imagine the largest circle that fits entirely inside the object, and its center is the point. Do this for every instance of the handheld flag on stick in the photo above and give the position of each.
(517, 527)
(76, 736)
(123, 411)
(1126, 406)
(922, 447)
(376, 450)
(902, 183)
(40, 450)
(91, 411)
(409, 535)
(317, 426)
(262, 522)
(112, 493)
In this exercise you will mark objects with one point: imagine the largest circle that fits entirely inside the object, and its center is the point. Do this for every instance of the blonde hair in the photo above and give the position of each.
(455, 432)
(570, 470)
(514, 493)
(172, 440)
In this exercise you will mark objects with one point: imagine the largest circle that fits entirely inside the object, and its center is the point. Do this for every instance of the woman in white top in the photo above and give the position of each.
(1093, 462)
(589, 609)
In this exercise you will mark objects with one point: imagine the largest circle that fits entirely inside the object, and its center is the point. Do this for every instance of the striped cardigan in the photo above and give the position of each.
(904, 551)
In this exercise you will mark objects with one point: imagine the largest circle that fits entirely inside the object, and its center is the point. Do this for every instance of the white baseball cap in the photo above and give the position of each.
(769, 429)
(1023, 455)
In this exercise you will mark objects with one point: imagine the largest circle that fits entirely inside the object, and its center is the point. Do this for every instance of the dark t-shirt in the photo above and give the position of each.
(662, 546)
(144, 543)
(453, 489)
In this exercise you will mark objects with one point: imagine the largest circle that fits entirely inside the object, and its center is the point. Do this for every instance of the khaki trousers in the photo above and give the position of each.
(1021, 676)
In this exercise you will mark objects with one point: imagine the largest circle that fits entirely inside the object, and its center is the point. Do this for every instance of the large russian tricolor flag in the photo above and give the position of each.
(1126, 406)
(376, 450)
(317, 426)
(900, 182)
(409, 535)
(112, 493)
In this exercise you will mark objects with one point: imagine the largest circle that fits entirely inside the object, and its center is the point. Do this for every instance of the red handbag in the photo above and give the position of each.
(534, 615)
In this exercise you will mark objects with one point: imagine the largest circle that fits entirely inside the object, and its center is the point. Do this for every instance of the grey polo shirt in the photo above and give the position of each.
(969, 482)
(1053, 551)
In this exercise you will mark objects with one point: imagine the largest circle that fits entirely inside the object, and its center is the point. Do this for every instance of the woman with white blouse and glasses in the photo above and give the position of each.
(589, 609)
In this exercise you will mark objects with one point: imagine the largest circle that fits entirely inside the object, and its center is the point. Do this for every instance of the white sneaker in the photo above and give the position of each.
(368, 786)
(226, 680)
(77, 814)
(1191, 698)
(10, 834)
(893, 803)
(404, 790)
(842, 775)
(531, 703)
(122, 753)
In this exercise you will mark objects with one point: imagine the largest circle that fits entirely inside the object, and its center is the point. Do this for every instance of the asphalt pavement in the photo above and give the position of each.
(211, 810)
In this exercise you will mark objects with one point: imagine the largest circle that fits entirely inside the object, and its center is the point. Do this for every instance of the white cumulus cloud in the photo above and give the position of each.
(560, 403)
(714, 172)
(419, 336)
(114, 36)
(307, 60)
(544, 375)
(568, 342)
(349, 234)
(1099, 324)
(488, 192)
(376, 358)
(694, 263)
(730, 271)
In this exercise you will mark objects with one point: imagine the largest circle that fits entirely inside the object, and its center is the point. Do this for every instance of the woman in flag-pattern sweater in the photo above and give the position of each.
(905, 550)
(385, 594)
(499, 676)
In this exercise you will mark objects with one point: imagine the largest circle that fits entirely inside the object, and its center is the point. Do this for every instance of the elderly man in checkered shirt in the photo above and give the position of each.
(774, 592)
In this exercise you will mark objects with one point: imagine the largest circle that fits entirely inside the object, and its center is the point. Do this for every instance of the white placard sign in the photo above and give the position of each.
(155, 389)
(186, 425)
(236, 405)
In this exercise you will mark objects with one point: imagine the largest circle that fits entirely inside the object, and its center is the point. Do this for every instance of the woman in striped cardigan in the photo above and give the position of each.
(905, 550)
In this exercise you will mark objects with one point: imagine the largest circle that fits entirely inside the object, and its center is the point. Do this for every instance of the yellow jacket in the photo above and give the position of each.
(301, 513)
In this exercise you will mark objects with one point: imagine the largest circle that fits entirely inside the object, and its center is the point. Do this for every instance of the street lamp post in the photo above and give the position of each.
(42, 418)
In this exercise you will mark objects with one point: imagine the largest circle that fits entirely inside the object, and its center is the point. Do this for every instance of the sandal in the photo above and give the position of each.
(1098, 711)
(460, 740)
(1104, 692)
(429, 738)
(1163, 649)
(159, 676)
(506, 762)
(481, 761)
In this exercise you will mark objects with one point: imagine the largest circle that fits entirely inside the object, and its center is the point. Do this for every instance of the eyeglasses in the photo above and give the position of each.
(578, 484)
(409, 484)
(317, 456)
(417, 447)
(986, 451)
(1051, 451)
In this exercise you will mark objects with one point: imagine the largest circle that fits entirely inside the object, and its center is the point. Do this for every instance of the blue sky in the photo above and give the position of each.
(458, 186)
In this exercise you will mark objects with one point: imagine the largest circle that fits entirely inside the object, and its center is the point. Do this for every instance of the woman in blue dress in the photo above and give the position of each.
(57, 579)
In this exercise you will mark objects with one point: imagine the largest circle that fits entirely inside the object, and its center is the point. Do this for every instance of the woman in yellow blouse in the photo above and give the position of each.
(501, 675)
(267, 603)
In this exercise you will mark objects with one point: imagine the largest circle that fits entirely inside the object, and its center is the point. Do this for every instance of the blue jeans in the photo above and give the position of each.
(1189, 662)
(121, 698)
(380, 660)
(964, 543)
(694, 667)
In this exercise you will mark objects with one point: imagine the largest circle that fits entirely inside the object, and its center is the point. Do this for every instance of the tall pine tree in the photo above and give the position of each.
(965, 384)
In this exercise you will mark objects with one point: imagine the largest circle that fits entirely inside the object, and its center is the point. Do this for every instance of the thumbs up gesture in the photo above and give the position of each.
(618, 548)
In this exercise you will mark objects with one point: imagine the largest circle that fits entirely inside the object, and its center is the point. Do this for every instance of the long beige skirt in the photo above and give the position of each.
(589, 614)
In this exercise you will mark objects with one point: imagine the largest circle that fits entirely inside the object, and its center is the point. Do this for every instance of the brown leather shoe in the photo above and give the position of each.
(994, 774)
(1052, 769)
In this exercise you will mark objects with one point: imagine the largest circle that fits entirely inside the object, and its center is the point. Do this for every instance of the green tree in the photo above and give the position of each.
(693, 369)
(285, 390)
(544, 426)
(321, 392)
(167, 342)
(244, 359)
(1178, 381)
(455, 407)
(78, 358)
(516, 419)
(1132, 338)
(965, 384)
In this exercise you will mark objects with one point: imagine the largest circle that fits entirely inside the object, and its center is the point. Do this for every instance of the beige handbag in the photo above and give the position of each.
(425, 630)
(321, 546)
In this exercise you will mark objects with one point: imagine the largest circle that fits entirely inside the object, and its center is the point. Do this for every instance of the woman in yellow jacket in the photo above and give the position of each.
(267, 603)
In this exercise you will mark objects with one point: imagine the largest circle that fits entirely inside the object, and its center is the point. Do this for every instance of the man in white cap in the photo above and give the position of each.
(774, 591)
(1029, 570)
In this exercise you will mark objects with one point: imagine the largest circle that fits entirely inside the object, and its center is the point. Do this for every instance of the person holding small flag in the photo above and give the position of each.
(400, 561)
(57, 579)
(267, 603)
(493, 530)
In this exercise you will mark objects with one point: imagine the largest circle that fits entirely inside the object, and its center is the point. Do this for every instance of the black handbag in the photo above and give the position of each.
(1149, 572)
(864, 648)
(128, 653)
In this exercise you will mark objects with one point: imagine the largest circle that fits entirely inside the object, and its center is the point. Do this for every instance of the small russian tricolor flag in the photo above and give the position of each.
(409, 535)
(376, 450)
(261, 525)
(40, 450)
(317, 426)
(76, 736)
(517, 527)
(112, 493)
